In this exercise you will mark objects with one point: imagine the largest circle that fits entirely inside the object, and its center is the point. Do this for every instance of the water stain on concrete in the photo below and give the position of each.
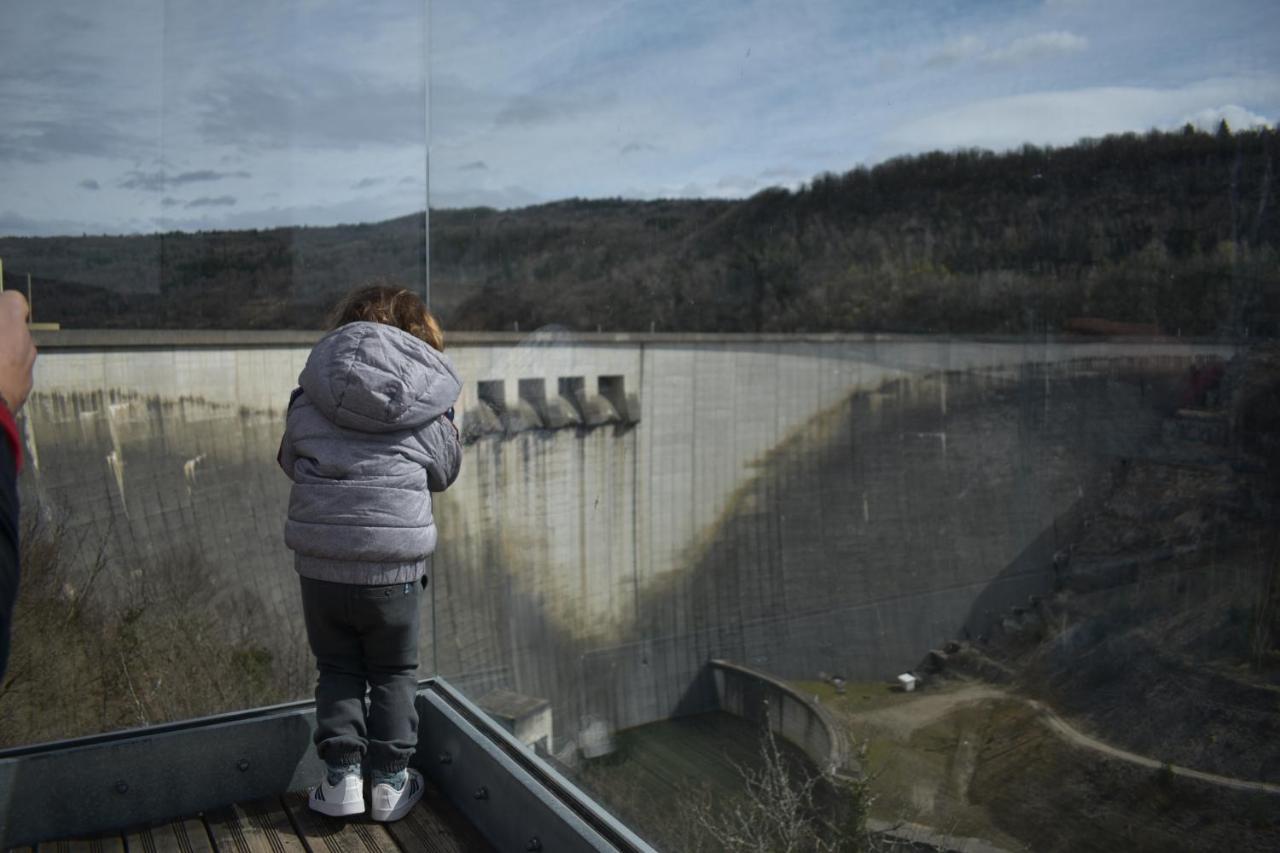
(864, 536)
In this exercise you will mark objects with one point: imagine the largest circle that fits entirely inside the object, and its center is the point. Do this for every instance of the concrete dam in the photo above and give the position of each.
(630, 506)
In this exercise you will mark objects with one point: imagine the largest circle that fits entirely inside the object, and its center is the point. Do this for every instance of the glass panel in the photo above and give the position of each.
(236, 169)
(905, 380)
(919, 364)
(185, 166)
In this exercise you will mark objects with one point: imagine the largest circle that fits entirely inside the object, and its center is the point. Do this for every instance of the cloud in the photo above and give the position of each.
(1039, 46)
(119, 87)
(1236, 117)
(1062, 118)
(149, 181)
(206, 201)
(347, 211)
(554, 98)
(158, 180)
(68, 23)
(318, 106)
(89, 184)
(782, 172)
(1025, 49)
(45, 140)
(637, 148)
(17, 225)
(505, 198)
(527, 110)
(956, 50)
(68, 87)
(736, 184)
(205, 175)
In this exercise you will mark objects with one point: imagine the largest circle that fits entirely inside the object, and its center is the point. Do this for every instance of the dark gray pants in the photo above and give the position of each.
(364, 635)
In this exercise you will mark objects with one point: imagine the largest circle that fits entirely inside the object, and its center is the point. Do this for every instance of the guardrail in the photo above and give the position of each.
(174, 770)
(759, 697)
(182, 338)
(762, 698)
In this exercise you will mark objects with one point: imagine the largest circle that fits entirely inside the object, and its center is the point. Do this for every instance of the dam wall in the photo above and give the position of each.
(630, 506)
(787, 712)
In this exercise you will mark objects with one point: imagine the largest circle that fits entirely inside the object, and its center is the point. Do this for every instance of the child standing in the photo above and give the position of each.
(368, 436)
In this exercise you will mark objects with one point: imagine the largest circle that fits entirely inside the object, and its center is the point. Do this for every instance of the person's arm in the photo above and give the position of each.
(9, 570)
(285, 456)
(11, 439)
(17, 357)
(17, 351)
(443, 449)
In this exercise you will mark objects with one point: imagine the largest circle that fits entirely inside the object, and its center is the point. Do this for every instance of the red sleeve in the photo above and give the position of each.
(10, 428)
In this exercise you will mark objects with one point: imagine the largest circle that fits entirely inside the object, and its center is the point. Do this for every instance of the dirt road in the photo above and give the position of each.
(1078, 738)
(901, 720)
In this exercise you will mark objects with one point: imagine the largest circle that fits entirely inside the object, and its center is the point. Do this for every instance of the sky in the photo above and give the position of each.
(139, 116)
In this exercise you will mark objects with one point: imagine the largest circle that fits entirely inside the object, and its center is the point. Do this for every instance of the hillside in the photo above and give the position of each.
(1173, 230)
(1163, 635)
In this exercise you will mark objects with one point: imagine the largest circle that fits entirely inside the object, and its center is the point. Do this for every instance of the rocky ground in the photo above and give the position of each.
(1164, 633)
(1135, 708)
(1160, 646)
(975, 760)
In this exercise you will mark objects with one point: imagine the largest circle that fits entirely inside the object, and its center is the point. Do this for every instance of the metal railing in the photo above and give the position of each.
(142, 776)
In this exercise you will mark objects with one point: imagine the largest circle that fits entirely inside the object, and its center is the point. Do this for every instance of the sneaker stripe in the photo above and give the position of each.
(320, 793)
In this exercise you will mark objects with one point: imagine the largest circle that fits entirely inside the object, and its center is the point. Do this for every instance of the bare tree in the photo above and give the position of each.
(785, 808)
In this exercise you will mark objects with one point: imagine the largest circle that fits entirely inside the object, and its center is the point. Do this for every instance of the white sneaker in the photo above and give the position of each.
(390, 804)
(344, 798)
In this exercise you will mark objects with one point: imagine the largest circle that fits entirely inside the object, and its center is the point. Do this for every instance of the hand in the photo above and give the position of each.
(17, 352)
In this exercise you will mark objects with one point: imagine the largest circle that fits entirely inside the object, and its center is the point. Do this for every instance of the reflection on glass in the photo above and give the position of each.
(819, 350)
(1008, 436)
(194, 166)
(189, 166)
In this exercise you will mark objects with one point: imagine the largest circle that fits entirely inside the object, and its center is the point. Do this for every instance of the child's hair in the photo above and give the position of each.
(392, 306)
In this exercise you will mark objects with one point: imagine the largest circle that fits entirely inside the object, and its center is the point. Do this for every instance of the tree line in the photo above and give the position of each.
(1168, 231)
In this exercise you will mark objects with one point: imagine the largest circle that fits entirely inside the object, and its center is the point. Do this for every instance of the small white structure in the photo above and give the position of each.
(908, 681)
(526, 717)
(595, 738)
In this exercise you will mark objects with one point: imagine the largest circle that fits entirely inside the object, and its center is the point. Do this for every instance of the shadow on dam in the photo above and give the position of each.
(891, 522)
(879, 527)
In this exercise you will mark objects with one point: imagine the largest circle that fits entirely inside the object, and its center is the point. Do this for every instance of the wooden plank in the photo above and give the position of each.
(261, 827)
(322, 834)
(112, 844)
(181, 836)
(436, 826)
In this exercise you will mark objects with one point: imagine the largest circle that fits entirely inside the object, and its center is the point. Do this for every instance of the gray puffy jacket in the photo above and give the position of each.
(366, 441)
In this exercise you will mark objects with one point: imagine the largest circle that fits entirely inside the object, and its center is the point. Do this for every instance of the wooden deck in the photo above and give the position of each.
(286, 825)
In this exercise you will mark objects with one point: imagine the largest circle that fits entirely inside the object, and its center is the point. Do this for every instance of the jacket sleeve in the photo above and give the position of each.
(443, 451)
(285, 456)
(10, 462)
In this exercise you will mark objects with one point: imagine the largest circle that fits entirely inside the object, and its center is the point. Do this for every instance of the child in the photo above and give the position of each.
(369, 434)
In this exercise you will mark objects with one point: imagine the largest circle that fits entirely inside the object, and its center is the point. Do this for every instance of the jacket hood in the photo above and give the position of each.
(375, 378)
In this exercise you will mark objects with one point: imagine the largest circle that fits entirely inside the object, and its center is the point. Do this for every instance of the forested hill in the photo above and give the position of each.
(1173, 230)
(1177, 230)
